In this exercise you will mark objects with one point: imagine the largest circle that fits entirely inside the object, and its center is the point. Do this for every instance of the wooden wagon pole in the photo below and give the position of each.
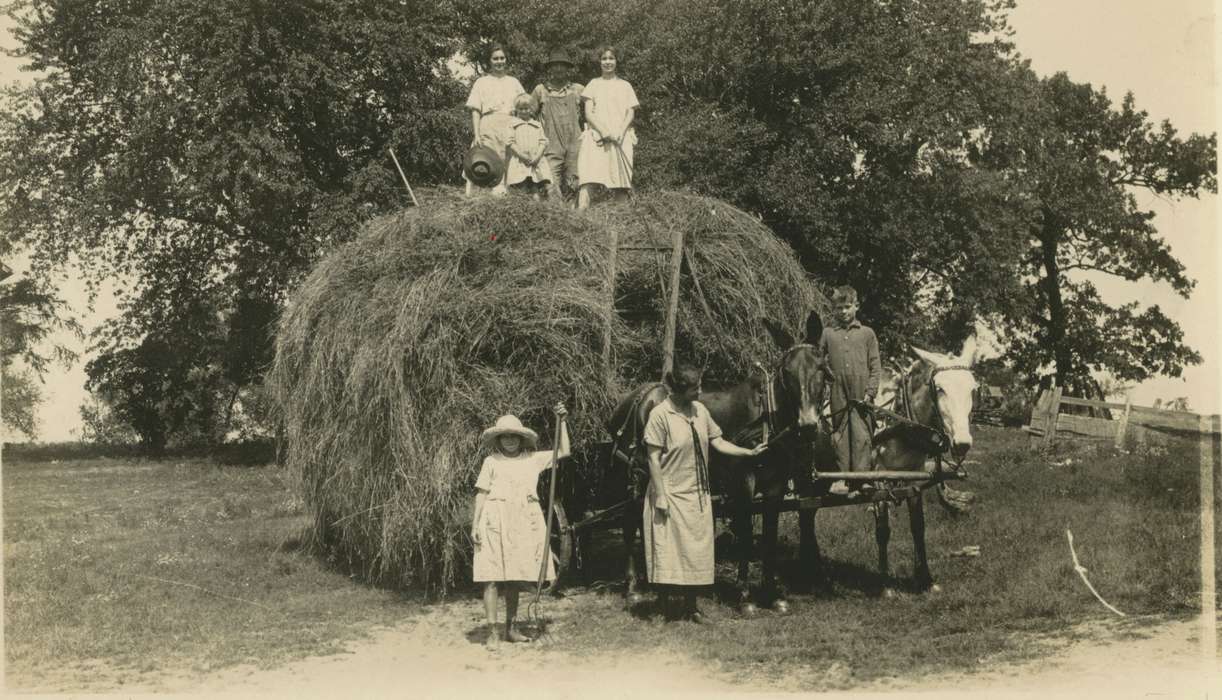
(404, 177)
(672, 307)
(612, 257)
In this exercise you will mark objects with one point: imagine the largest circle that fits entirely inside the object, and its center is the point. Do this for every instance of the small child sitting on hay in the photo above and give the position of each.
(508, 527)
(528, 171)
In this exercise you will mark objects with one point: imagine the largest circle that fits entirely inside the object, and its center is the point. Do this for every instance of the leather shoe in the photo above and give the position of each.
(699, 618)
(839, 488)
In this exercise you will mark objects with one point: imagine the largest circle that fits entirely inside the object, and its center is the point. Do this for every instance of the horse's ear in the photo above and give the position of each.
(814, 328)
(971, 351)
(926, 356)
(779, 335)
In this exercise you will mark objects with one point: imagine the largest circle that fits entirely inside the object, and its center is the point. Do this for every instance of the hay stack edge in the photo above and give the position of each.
(402, 345)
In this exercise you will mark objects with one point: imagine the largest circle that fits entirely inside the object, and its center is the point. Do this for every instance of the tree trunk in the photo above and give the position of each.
(1057, 322)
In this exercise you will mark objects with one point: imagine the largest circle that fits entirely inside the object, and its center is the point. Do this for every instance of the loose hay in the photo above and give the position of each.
(401, 346)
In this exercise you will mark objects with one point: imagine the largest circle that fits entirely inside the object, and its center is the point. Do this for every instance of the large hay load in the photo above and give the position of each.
(402, 345)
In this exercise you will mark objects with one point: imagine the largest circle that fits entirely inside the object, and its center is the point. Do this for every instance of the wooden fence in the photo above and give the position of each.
(1114, 422)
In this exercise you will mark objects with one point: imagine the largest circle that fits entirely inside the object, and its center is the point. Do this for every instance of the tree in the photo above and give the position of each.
(1078, 160)
(238, 138)
(30, 315)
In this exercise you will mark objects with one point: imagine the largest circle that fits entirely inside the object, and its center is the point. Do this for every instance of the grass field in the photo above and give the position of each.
(118, 567)
(114, 568)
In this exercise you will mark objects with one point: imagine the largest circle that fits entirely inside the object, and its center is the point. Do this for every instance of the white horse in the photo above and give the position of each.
(935, 391)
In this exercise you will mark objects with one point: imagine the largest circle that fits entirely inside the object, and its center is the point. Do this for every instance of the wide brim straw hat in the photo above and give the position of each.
(509, 425)
(483, 166)
(558, 56)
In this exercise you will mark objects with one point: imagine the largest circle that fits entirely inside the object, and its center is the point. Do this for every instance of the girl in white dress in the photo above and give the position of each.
(605, 157)
(508, 528)
(527, 171)
(491, 107)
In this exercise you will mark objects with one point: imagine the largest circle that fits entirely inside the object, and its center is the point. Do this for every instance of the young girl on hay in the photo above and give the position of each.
(528, 171)
(508, 528)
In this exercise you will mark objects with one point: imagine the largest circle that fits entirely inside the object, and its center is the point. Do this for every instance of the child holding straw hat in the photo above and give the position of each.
(508, 527)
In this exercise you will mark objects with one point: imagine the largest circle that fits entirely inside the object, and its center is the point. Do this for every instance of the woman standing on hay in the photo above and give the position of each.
(508, 528)
(605, 155)
(678, 517)
(491, 107)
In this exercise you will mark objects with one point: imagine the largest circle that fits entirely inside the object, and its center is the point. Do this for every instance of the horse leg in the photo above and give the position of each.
(882, 535)
(808, 546)
(809, 555)
(632, 521)
(743, 528)
(772, 590)
(920, 565)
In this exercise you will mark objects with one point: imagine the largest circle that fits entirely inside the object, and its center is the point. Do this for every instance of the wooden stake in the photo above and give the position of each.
(1123, 428)
(672, 308)
(1054, 409)
(612, 257)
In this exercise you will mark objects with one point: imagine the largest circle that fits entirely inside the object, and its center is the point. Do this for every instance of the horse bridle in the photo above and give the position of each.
(770, 390)
(939, 423)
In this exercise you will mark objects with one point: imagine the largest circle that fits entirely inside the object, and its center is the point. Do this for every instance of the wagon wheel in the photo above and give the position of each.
(562, 542)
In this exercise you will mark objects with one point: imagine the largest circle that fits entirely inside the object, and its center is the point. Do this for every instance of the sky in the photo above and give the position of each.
(1161, 50)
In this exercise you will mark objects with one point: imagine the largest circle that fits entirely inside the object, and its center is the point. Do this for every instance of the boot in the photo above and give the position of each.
(691, 612)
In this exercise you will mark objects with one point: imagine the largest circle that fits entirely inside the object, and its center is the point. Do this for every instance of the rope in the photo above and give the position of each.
(1082, 572)
(702, 466)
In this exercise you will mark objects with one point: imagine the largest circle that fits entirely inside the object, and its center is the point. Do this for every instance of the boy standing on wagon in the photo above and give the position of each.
(559, 101)
(851, 349)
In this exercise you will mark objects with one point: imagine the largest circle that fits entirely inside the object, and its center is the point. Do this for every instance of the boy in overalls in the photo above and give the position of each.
(852, 353)
(559, 101)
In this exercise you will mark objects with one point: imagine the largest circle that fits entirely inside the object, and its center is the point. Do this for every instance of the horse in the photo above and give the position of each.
(741, 414)
(933, 399)
(628, 453)
(792, 421)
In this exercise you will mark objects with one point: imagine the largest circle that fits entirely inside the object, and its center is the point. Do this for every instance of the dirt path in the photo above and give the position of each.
(437, 655)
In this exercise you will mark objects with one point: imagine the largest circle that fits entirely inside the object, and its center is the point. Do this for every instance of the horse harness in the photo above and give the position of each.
(941, 437)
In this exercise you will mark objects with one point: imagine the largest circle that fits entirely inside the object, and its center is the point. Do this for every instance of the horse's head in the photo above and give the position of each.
(800, 378)
(949, 385)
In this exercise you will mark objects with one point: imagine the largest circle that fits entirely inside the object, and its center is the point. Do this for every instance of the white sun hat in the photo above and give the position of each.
(509, 425)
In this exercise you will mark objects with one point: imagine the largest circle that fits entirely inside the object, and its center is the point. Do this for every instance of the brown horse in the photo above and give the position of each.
(793, 423)
(742, 413)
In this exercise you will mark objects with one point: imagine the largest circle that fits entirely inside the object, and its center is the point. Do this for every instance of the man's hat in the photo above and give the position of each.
(558, 56)
(483, 166)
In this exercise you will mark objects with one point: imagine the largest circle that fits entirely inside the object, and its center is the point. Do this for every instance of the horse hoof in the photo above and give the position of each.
(748, 610)
(781, 607)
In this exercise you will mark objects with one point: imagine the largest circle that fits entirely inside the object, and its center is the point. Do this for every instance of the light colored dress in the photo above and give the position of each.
(679, 545)
(610, 164)
(511, 523)
(529, 141)
(493, 98)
